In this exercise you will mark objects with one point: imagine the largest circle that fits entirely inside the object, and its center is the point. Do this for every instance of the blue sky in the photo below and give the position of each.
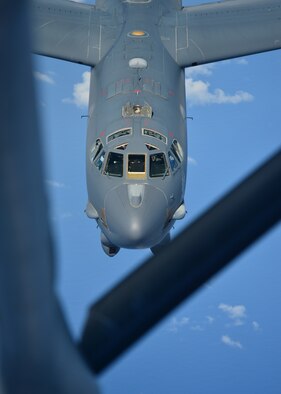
(227, 337)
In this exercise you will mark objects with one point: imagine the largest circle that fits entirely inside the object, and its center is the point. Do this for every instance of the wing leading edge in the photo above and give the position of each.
(82, 33)
(72, 31)
(222, 30)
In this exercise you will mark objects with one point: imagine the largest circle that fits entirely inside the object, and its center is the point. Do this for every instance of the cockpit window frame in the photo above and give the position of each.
(99, 160)
(113, 136)
(151, 147)
(140, 175)
(174, 165)
(122, 146)
(154, 134)
(166, 171)
(177, 150)
(114, 174)
(95, 150)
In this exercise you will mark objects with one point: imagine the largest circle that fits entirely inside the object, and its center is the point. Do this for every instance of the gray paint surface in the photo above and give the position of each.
(193, 35)
(222, 30)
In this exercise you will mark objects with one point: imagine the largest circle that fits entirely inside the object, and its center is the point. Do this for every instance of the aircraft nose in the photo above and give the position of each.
(135, 215)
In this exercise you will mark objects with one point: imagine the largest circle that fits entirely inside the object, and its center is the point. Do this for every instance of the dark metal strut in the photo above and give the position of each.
(134, 306)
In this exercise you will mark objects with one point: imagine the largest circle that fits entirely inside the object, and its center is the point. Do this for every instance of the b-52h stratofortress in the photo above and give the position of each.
(137, 138)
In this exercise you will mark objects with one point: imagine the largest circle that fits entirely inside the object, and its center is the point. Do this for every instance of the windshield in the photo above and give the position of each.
(114, 164)
(172, 160)
(100, 159)
(119, 133)
(96, 149)
(154, 134)
(177, 150)
(158, 165)
(136, 163)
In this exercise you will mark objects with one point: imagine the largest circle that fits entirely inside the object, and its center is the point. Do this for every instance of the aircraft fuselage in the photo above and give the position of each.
(136, 139)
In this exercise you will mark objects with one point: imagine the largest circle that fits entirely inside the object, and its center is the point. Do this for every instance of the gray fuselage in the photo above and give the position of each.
(136, 139)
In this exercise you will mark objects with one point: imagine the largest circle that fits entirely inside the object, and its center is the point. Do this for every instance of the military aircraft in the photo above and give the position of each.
(136, 155)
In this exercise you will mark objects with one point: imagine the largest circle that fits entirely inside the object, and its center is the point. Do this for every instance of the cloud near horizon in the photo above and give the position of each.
(43, 77)
(55, 184)
(80, 94)
(204, 69)
(192, 161)
(198, 92)
(236, 313)
(230, 342)
(256, 326)
(178, 323)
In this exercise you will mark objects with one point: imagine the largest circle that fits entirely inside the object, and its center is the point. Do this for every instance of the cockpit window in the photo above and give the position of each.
(151, 147)
(122, 146)
(158, 165)
(96, 149)
(177, 150)
(114, 164)
(119, 133)
(99, 160)
(172, 160)
(136, 164)
(155, 134)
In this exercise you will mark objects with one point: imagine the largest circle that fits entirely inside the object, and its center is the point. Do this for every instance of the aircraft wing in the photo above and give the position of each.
(72, 31)
(222, 30)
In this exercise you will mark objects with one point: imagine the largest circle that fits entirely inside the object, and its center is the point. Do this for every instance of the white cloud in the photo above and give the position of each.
(66, 215)
(44, 77)
(191, 161)
(62, 216)
(242, 61)
(230, 342)
(237, 313)
(81, 91)
(178, 323)
(197, 327)
(210, 319)
(198, 93)
(255, 325)
(204, 69)
(55, 184)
